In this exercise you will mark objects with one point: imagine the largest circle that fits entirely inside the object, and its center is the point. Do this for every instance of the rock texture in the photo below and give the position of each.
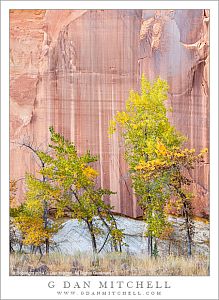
(73, 70)
(74, 238)
(134, 238)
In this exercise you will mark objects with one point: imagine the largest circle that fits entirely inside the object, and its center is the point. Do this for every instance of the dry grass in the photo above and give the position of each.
(108, 264)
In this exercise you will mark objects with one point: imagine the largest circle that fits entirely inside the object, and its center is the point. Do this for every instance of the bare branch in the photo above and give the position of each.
(32, 148)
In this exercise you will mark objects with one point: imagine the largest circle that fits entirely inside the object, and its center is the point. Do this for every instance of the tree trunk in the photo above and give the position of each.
(115, 245)
(188, 229)
(120, 247)
(93, 239)
(11, 248)
(189, 243)
(114, 242)
(40, 250)
(188, 234)
(94, 244)
(47, 246)
(45, 218)
(20, 248)
(150, 245)
(150, 239)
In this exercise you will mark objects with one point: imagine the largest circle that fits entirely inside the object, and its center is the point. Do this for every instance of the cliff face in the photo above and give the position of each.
(74, 69)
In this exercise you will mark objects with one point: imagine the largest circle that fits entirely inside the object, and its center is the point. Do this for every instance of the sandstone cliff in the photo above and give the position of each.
(74, 69)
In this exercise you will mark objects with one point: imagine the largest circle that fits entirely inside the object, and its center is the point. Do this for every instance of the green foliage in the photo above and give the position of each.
(67, 185)
(144, 122)
(38, 192)
(71, 187)
(175, 166)
(157, 162)
(28, 217)
(143, 126)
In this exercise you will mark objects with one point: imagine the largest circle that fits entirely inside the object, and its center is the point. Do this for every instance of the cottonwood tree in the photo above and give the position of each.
(148, 135)
(31, 186)
(31, 226)
(71, 187)
(28, 218)
(176, 165)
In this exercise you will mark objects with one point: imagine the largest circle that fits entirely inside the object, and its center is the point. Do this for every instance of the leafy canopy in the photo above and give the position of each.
(71, 186)
(154, 152)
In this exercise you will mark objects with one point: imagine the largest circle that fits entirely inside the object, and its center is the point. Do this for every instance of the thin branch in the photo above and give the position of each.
(104, 242)
(33, 149)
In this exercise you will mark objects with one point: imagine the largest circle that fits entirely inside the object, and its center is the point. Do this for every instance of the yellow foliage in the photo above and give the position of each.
(199, 219)
(205, 150)
(32, 229)
(90, 172)
(161, 148)
(122, 117)
(34, 205)
(178, 154)
(168, 230)
(135, 126)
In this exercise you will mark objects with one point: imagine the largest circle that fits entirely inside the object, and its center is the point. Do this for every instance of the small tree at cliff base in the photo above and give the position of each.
(45, 201)
(29, 219)
(71, 187)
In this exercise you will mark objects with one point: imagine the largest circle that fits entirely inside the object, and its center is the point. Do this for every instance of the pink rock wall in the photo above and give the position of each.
(74, 69)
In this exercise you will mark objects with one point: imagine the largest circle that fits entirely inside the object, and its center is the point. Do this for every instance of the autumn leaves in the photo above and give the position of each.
(158, 163)
(159, 167)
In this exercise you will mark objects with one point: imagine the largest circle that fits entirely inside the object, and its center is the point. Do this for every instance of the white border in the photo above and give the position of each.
(182, 287)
